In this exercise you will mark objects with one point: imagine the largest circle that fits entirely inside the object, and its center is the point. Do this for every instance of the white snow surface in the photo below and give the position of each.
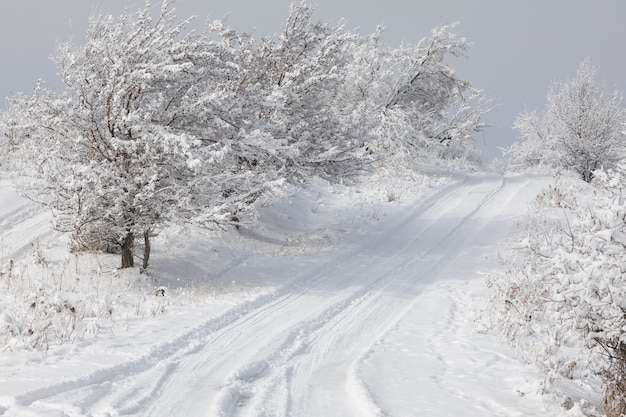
(339, 302)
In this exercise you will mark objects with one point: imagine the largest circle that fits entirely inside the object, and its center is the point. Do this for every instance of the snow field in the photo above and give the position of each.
(330, 307)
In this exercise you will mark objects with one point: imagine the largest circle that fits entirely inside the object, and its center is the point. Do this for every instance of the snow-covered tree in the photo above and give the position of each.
(155, 125)
(423, 111)
(537, 148)
(283, 89)
(330, 99)
(581, 129)
(158, 123)
(307, 65)
(113, 160)
(445, 107)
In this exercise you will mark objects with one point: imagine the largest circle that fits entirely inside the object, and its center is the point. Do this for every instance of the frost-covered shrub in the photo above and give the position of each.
(50, 299)
(48, 317)
(562, 297)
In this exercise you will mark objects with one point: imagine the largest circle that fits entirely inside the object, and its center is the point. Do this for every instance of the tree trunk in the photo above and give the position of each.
(146, 249)
(128, 258)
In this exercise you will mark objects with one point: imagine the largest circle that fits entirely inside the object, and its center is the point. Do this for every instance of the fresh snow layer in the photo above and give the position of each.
(328, 307)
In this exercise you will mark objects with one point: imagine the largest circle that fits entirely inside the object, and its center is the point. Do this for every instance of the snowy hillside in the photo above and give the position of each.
(339, 302)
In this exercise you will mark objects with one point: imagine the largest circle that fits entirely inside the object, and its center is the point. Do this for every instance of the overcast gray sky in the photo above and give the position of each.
(520, 46)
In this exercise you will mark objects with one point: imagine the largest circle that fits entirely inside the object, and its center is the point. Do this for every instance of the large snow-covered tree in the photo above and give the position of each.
(112, 155)
(158, 123)
(155, 124)
(581, 129)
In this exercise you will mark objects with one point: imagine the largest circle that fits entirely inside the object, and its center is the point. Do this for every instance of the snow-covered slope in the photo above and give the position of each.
(334, 309)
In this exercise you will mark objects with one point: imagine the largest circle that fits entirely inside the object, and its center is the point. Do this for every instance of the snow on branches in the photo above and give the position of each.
(562, 298)
(111, 162)
(158, 123)
(581, 129)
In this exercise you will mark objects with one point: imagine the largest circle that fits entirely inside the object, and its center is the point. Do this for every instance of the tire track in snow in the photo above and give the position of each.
(239, 389)
(360, 304)
(242, 334)
(88, 388)
(240, 384)
(295, 337)
(375, 306)
(21, 226)
(487, 212)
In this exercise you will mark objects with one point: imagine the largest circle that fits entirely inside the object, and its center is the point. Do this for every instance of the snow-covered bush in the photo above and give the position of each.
(50, 299)
(562, 298)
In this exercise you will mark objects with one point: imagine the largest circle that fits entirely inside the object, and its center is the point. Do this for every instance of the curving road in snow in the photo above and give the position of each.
(382, 329)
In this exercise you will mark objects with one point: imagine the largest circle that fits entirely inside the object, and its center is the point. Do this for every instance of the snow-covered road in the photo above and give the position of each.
(383, 328)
